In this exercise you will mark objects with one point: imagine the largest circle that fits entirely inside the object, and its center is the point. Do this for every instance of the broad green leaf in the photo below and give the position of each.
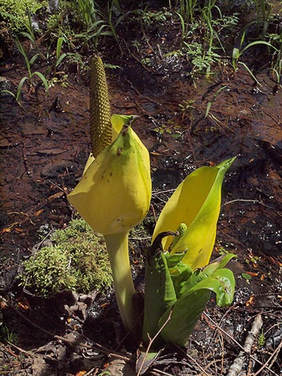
(222, 283)
(159, 292)
(185, 314)
(219, 263)
(195, 202)
(208, 271)
(194, 279)
(179, 271)
(189, 306)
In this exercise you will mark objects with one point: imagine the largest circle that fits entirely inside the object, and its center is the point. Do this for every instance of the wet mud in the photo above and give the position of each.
(45, 143)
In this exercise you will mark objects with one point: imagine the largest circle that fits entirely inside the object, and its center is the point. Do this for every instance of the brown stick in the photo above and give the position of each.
(238, 363)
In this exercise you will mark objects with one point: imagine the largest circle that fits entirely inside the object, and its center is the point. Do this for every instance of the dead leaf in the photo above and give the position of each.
(23, 304)
(38, 212)
(155, 153)
(250, 301)
(119, 367)
(145, 361)
(55, 195)
(6, 229)
(252, 274)
(53, 151)
(18, 229)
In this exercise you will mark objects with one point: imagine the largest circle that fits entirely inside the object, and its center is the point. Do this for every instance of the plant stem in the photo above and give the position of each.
(117, 245)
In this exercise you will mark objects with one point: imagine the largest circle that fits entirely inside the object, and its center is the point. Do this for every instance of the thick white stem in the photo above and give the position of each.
(117, 245)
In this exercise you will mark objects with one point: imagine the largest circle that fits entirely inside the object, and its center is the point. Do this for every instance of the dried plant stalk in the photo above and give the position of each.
(238, 363)
(100, 112)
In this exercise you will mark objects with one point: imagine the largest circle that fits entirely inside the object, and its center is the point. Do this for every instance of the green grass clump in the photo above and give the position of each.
(77, 260)
(14, 12)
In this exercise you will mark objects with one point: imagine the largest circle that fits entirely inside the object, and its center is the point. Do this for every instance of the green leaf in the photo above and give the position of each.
(192, 302)
(246, 276)
(43, 79)
(220, 262)
(179, 271)
(185, 314)
(159, 292)
(222, 283)
(33, 59)
(60, 59)
(235, 53)
(60, 42)
(256, 43)
(145, 360)
(19, 89)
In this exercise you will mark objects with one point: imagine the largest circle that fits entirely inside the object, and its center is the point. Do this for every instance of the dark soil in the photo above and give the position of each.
(43, 148)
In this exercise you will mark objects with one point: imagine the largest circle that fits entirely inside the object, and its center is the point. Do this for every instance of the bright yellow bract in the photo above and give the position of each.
(195, 202)
(115, 190)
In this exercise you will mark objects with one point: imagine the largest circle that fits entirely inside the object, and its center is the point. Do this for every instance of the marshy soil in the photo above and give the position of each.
(43, 147)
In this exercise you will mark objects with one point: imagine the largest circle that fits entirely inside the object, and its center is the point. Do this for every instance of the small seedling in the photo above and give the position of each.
(261, 339)
(247, 277)
(7, 335)
(31, 74)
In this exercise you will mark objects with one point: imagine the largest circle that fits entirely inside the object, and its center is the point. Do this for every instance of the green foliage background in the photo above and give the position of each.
(14, 12)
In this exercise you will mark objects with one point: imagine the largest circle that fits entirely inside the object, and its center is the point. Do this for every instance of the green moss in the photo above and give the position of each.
(14, 12)
(77, 260)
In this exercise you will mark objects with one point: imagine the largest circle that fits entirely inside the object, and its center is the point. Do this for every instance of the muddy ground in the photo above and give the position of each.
(43, 147)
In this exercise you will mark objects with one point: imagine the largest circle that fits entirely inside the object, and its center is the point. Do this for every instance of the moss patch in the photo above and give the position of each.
(14, 12)
(77, 260)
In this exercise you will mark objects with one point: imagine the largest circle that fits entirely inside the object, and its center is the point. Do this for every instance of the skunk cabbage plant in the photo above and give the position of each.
(114, 192)
(176, 290)
(114, 195)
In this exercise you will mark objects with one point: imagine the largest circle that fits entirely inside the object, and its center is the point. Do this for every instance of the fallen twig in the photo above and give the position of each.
(274, 356)
(237, 343)
(245, 200)
(238, 363)
(28, 353)
(151, 340)
(158, 372)
(197, 365)
(90, 372)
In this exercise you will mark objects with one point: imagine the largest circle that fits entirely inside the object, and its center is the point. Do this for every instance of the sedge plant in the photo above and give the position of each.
(31, 75)
(238, 51)
(114, 195)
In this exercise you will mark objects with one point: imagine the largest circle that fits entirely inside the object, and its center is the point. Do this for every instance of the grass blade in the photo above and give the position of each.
(19, 90)
(43, 79)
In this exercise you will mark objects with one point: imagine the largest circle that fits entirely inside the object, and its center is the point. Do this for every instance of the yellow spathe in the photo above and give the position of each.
(115, 190)
(117, 122)
(196, 202)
